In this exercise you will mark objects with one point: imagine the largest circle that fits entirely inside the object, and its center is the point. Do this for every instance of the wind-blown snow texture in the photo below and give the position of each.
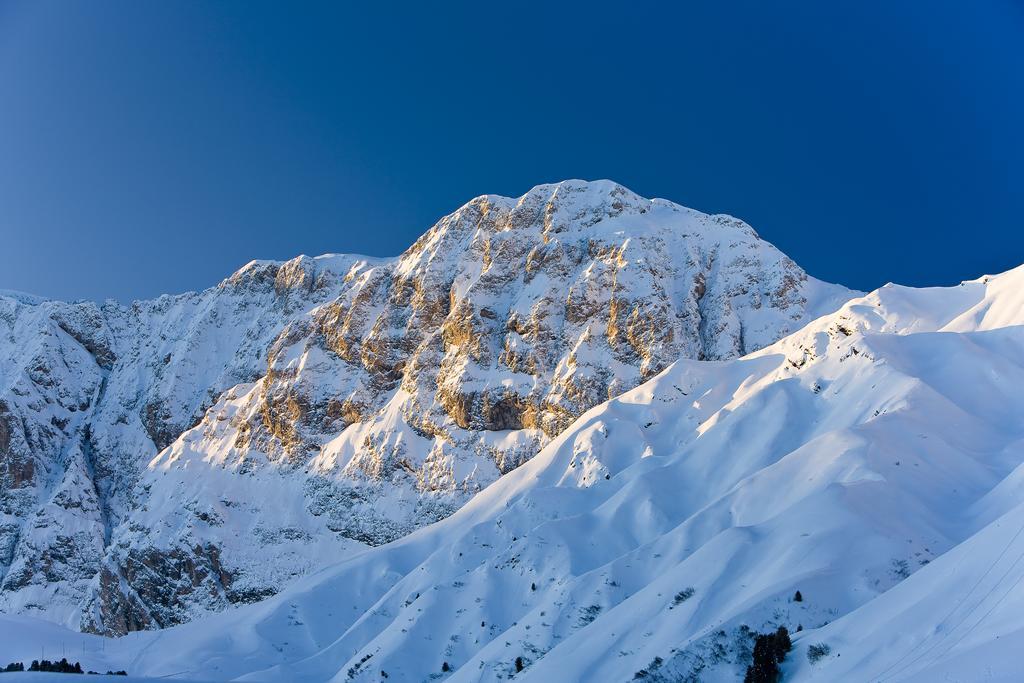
(871, 460)
(168, 459)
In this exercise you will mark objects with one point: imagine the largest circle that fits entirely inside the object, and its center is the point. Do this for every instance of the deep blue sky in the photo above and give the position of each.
(156, 146)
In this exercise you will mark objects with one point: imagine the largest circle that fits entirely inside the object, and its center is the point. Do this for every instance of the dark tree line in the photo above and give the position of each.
(61, 667)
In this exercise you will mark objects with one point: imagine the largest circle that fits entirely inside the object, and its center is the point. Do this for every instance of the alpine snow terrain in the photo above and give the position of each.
(871, 461)
(171, 458)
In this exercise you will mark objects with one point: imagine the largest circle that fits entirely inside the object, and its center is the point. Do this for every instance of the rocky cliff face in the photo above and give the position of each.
(168, 459)
(89, 394)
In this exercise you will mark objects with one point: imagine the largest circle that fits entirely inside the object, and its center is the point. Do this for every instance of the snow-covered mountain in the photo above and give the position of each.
(168, 459)
(871, 461)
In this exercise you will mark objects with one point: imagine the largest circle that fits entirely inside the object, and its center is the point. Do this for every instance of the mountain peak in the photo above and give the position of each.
(373, 395)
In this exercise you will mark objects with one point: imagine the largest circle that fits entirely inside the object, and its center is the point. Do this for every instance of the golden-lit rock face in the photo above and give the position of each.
(514, 315)
(362, 398)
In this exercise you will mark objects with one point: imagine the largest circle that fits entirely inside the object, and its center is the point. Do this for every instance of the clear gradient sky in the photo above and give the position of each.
(150, 147)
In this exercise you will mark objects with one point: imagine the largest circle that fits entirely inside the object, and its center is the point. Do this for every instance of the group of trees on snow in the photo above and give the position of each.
(61, 667)
(769, 650)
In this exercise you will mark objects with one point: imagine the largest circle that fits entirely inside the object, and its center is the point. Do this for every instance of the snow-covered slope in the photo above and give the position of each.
(958, 619)
(870, 461)
(305, 410)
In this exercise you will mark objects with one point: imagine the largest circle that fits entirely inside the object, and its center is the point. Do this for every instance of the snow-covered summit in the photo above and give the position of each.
(320, 405)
